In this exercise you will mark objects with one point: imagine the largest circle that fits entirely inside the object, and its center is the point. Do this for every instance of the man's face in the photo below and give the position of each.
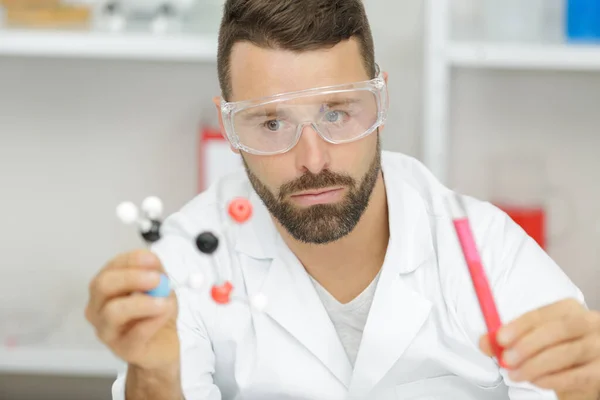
(317, 191)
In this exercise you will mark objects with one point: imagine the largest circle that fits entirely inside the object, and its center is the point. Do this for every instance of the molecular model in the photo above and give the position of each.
(149, 224)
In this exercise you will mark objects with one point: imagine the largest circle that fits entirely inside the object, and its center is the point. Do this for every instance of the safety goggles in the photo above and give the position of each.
(339, 114)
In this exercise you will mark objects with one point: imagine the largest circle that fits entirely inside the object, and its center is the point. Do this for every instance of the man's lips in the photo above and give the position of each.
(323, 196)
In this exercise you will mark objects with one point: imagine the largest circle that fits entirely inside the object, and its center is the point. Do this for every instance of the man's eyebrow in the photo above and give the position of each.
(332, 103)
(270, 112)
(273, 112)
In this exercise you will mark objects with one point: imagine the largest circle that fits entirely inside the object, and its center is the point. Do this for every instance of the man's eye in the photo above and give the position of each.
(273, 125)
(334, 116)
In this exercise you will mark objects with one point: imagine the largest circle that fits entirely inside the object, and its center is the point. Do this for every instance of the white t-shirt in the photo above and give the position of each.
(349, 319)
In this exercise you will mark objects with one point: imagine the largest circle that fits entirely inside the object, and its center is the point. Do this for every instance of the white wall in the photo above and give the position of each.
(78, 137)
(543, 127)
(72, 147)
(550, 120)
(398, 31)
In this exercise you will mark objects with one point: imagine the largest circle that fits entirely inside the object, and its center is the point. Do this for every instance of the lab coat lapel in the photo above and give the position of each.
(295, 305)
(398, 311)
(396, 316)
(293, 302)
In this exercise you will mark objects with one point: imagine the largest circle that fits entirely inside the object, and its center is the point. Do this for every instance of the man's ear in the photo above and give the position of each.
(217, 102)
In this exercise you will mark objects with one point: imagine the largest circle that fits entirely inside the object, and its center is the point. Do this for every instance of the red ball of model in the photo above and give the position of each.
(221, 294)
(240, 210)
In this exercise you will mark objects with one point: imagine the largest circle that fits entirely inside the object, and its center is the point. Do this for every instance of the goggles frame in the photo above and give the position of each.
(377, 86)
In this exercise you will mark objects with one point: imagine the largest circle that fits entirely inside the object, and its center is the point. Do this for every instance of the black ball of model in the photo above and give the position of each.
(207, 243)
(152, 235)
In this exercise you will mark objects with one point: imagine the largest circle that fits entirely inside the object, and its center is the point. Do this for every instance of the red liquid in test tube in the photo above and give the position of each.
(477, 272)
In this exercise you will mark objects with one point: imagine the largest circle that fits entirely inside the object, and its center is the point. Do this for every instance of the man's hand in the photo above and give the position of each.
(139, 329)
(555, 347)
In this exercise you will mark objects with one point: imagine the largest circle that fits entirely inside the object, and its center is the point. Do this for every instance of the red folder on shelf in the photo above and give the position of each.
(531, 219)
(215, 157)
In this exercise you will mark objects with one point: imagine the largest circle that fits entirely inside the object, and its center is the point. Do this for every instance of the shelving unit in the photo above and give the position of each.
(553, 133)
(442, 55)
(96, 45)
(77, 45)
(94, 363)
(540, 57)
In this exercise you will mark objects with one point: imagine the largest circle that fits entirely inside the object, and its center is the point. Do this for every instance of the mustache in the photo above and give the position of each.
(310, 181)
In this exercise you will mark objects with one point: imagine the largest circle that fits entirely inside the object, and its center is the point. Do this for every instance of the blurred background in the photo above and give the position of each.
(103, 101)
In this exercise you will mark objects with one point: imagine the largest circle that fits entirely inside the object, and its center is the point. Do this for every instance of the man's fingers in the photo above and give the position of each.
(144, 259)
(102, 287)
(143, 330)
(571, 380)
(513, 331)
(124, 310)
(551, 334)
(556, 359)
(119, 282)
(485, 345)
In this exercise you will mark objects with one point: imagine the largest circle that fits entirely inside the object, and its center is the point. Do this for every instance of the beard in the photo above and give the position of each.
(320, 223)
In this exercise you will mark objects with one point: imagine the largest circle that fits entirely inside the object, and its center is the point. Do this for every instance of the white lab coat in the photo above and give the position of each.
(422, 333)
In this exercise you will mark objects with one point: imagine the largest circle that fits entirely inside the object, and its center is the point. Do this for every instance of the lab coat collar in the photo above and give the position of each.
(258, 238)
(397, 312)
(292, 300)
(411, 221)
(297, 308)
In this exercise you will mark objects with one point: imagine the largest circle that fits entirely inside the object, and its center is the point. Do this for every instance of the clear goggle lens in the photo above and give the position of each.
(275, 127)
(338, 114)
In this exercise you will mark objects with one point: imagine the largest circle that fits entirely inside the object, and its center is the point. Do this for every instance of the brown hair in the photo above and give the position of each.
(296, 25)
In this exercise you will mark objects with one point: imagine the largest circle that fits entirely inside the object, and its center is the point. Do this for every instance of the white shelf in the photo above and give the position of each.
(94, 363)
(524, 56)
(131, 46)
(442, 54)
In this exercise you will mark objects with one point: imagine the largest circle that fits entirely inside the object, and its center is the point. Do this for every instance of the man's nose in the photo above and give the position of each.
(312, 151)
